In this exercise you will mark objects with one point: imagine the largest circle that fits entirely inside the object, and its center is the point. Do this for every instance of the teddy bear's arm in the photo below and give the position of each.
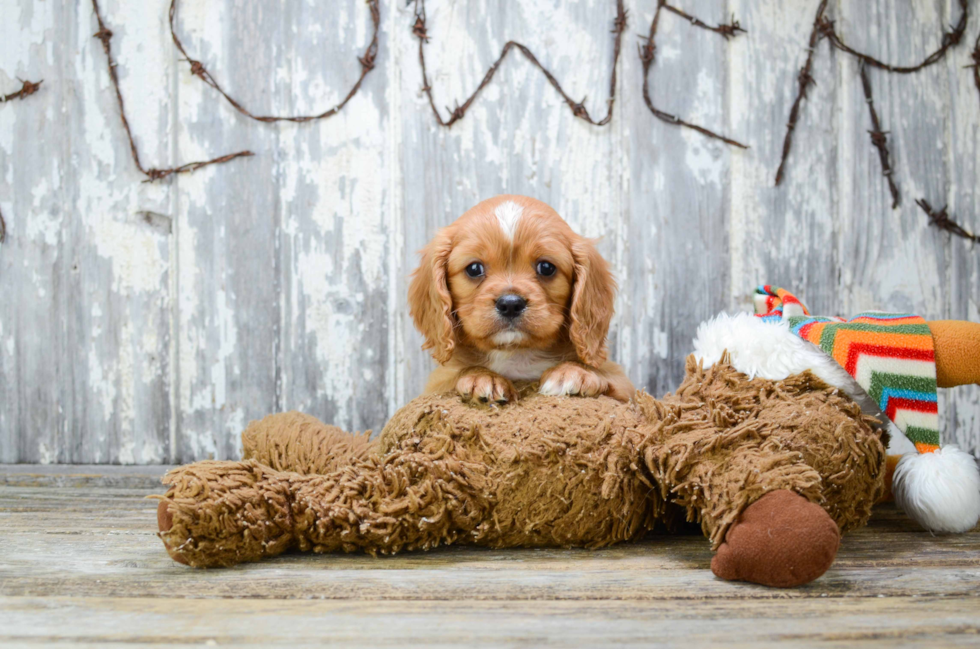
(402, 501)
(294, 441)
(224, 513)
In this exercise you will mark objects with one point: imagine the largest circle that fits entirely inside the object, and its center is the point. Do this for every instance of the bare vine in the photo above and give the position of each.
(949, 39)
(105, 36)
(942, 220)
(879, 138)
(367, 62)
(823, 27)
(975, 55)
(420, 30)
(803, 80)
(648, 54)
(27, 88)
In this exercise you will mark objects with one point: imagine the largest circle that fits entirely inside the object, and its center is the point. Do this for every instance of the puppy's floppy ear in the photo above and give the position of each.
(429, 300)
(592, 303)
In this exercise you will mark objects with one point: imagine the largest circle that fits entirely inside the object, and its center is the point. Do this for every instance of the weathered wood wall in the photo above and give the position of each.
(148, 323)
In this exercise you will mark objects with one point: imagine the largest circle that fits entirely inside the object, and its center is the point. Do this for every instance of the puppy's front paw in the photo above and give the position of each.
(573, 378)
(483, 385)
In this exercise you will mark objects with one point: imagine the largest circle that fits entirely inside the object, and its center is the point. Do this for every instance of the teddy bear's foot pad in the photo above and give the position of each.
(780, 540)
(165, 521)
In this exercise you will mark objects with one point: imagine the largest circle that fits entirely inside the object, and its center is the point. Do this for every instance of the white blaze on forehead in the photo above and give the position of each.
(508, 215)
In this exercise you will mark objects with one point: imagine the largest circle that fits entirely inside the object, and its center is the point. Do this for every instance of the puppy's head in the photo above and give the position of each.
(510, 274)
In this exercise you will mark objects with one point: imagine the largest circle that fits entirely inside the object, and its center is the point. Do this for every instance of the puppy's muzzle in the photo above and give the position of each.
(510, 306)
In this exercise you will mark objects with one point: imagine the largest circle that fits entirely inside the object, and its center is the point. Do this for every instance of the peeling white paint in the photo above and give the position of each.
(282, 280)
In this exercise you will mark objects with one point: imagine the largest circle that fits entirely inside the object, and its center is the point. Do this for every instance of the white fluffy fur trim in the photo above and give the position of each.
(940, 490)
(771, 351)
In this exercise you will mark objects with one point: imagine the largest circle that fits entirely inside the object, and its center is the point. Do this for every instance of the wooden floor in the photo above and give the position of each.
(80, 565)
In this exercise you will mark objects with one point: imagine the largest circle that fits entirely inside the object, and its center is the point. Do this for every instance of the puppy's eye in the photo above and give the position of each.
(475, 270)
(546, 268)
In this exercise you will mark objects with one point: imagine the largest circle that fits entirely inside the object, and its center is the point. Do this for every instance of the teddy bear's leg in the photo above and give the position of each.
(403, 501)
(758, 507)
(774, 471)
(957, 346)
(781, 540)
(223, 513)
(294, 441)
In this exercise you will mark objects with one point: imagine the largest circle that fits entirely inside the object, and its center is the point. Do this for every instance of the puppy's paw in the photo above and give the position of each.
(480, 384)
(573, 378)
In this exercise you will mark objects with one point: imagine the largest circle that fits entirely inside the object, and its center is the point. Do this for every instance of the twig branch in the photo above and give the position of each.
(367, 61)
(648, 54)
(27, 89)
(420, 30)
(950, 39)
(823, 27)
(942, 221)
(975, 55)
(105, 36)
(726, 30)
(804, 80)
(879, 138)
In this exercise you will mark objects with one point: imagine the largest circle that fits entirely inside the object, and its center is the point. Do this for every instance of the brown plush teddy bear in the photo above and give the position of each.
(773, 468)
(550, 471)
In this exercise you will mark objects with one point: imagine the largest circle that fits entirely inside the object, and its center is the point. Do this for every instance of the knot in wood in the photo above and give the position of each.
(648, 52)
(951, 38)
(621, 21)
(197, 68)
(826, 27)
(805, 79)
(367, 61)
(419, 29)
(104, 35)
(731, 29)
(28, 88)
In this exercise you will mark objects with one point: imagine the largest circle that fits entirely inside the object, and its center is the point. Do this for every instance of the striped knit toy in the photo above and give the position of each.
(890, 355)
(886, 363)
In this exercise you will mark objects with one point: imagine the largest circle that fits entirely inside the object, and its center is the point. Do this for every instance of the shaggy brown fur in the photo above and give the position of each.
(546, 471)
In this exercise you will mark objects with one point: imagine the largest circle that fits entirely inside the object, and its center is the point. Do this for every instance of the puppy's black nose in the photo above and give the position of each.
(510, 305)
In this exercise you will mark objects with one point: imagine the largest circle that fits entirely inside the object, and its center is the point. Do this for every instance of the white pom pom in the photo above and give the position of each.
(940, 490)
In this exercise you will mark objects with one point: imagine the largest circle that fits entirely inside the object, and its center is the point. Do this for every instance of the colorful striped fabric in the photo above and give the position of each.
(890, 356)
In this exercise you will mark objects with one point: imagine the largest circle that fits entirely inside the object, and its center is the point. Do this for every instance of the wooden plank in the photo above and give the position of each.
(518, 137)
(675, 236)
(33, 134)
(898, 262)
(149, 323)
(88, 373)
(782, 235)
(962, 148)
(100, 541)
(891, 259)
(76, 476)
(81, 566)
(334, 239)
(227, 291)
(166, 620)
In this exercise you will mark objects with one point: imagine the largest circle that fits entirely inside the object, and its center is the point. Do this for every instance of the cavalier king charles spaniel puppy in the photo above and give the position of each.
(509, 292)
